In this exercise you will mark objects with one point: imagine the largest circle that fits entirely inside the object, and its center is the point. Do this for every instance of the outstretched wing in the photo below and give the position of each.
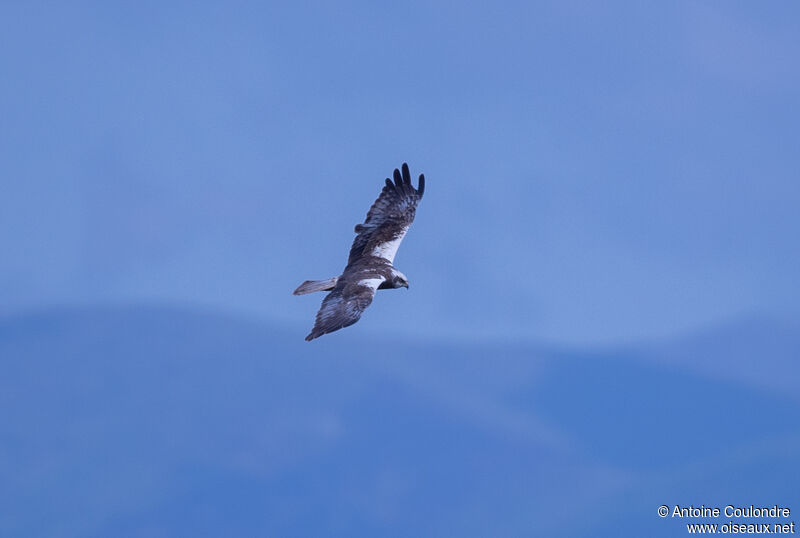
(389, 218)
(343, 306)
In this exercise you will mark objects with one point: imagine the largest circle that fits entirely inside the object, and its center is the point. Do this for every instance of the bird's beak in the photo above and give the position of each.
(406, 286)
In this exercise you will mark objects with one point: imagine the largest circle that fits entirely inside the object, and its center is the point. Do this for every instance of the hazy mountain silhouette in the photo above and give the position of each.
(166, 422)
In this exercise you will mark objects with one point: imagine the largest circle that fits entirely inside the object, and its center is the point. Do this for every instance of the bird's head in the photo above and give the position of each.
(399, 280)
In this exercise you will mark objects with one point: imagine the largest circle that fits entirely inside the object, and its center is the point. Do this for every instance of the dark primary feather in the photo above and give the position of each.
(390, 215)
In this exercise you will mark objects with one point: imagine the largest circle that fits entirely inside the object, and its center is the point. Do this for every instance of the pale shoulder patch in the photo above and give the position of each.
(371, 283)
(388, 250)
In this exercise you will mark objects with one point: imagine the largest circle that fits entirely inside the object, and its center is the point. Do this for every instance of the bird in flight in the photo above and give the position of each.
(369, 266)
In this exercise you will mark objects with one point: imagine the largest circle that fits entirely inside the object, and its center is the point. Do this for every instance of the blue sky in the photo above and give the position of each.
(595, 174)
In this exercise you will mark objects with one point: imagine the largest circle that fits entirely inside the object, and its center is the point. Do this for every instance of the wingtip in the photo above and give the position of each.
(421, 188)
(398, 179)
(310, 337)
(406, 174)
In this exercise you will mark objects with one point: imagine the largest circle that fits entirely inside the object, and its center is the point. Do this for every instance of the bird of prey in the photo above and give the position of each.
(369, 267)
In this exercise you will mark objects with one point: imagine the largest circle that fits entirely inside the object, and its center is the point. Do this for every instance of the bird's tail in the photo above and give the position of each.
(310, 286)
